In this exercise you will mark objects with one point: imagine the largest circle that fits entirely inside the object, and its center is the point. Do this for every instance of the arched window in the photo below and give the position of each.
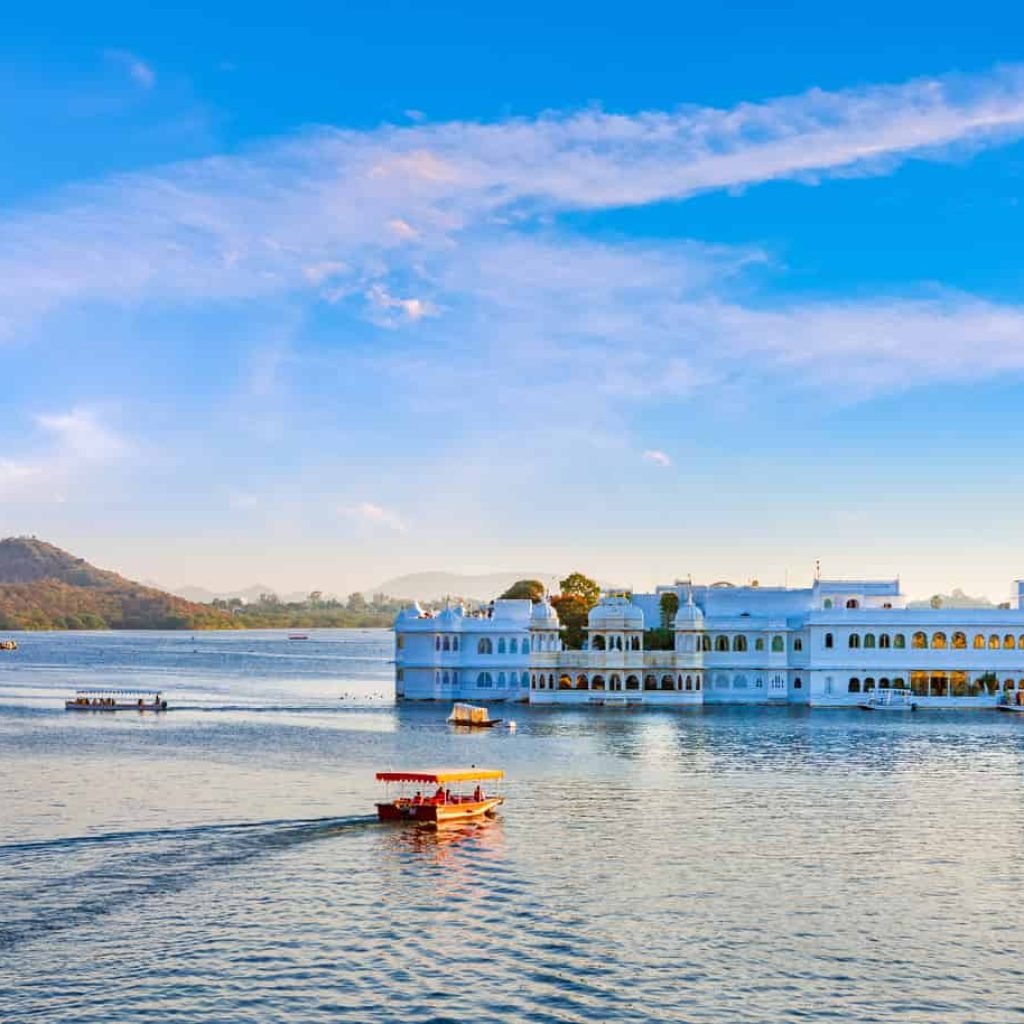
(919, 641)
(632, 683)
(778, 645)
(883, 683)
(635, 643)
(705, 642)
(445, 679)
(616, 683)
(581, 682)
(899, 641)
(597, 683)
(484, 646)
(597, 642)
(618, 643)
(759, 643)
(484, 679)
(939, 641)
(501, 645)
(689, 682)
(1020, 642)
(721, 643)
(739, 682)
(1008, 685)
(854, 640)
(897, 683)
(993, 642)
(869, 640)
(828, 603)
(1008, 642)
(447, 645)
(739, 643)
(798, 644)
(829, 640)
(883, 640)
(437, 643)
(513, 646)
(959, 641)
(501, 678)
(565, 682)
(667, 683)
(696, 683)
(797, 683)
(650, 682)
(854, 686)
(524, 679)
(979, 641)
(869, 684)
(853, 603)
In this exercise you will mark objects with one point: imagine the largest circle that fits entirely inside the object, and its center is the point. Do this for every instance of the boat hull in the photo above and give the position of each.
(887, 707)
(1012, 709)
(438, 814)
(489, 724)
(70, 705)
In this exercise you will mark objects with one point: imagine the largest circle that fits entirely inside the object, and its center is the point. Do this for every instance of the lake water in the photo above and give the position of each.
(220, 863)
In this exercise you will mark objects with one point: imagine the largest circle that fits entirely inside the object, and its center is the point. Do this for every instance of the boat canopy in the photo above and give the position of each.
(440, 777)
(117, 693)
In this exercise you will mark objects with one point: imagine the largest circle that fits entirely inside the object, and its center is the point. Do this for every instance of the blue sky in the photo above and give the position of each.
(320, 295)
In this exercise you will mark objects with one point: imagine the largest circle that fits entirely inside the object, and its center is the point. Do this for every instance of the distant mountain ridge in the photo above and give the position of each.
(250, 595)
(428, 586)
(45, 587)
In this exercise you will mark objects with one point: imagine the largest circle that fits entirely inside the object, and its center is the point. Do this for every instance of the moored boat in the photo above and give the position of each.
(472, 716)
(1013, 709)
(889, 700)
(116, 700)
(8, 645)
(298, 636)
(442, 805)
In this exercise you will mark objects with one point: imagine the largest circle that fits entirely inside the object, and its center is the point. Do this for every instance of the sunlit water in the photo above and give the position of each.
(220, 862)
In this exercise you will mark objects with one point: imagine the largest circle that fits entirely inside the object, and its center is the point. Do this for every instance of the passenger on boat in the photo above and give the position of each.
(478, 794)
(439, 795)
(448, 796)
(417, 798)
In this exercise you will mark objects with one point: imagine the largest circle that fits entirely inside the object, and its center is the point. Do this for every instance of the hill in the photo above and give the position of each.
(44, 587)
(430, 586)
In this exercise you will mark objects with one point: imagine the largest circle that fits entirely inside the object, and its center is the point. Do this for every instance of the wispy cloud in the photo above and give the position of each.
(71, 444)
(368, 514)
(138, 70)
(657, 457)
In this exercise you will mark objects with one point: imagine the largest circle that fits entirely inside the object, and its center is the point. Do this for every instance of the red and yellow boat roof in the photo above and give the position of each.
(442, 775)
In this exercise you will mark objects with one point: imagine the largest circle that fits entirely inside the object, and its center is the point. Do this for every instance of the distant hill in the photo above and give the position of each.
(250, 595)
(428, 586)
(957, 599)
(43, 587)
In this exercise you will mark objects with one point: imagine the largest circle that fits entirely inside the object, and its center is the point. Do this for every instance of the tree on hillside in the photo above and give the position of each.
(669, 605)
(936, 601)
(583, 587)
(523, 590)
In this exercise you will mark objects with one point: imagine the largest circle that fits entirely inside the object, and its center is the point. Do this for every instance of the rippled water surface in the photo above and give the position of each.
(220, 862)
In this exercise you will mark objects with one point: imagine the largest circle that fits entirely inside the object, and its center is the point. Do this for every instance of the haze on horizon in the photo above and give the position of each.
(717, 292)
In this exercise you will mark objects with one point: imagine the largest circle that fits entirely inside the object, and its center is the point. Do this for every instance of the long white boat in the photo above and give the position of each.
(889, 700)
(116, 700)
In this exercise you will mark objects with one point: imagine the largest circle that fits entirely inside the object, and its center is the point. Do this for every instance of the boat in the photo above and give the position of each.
(8, 645)
(472, 716)
(440, 806)
(889, 700)
(298, 636)
(116, 700)
(1014, 709)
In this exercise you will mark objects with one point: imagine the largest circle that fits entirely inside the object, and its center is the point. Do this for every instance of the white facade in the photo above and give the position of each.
(826, 645)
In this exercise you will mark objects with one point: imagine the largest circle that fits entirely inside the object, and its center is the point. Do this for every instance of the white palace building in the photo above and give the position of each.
(827, 646)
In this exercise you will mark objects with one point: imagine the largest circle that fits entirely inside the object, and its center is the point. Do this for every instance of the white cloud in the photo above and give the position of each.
(367, 514)
(79, 433)
(657, 457)
(139, 71)
(410, 309)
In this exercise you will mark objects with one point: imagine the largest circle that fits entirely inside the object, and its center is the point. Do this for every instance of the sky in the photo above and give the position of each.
(318, 295)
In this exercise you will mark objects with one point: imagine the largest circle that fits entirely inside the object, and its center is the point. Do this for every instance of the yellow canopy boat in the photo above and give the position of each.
(440, 805)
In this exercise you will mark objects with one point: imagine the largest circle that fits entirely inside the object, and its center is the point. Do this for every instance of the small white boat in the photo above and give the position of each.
(116, 700)
(889, 700)
(472, 716)
(1013, 709)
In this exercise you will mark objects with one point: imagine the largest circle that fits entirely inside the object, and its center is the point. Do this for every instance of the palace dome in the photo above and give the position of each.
(615, 613)
(689, 616)
(544, 616)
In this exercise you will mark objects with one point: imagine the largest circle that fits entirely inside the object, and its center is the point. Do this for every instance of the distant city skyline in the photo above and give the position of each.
(718, 292)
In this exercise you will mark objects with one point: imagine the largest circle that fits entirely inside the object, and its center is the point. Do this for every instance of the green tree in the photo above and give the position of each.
(582, 587)
(669, 605)
(356, 603)
(936, 601)
(524, 590)
(572, 613)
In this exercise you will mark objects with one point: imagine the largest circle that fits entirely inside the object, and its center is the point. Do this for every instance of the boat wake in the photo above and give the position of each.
(90, 876)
